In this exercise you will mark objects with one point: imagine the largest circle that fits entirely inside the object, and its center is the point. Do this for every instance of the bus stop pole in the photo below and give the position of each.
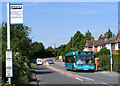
(8, 31)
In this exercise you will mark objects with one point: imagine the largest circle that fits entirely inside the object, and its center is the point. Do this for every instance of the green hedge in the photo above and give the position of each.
(105, 62)
(116, 63)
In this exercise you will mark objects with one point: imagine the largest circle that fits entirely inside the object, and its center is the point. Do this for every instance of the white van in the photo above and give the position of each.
(39, 61)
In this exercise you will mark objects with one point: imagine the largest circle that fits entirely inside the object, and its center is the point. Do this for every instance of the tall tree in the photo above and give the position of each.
(88, 35)
(61, 50)
(78, 42)
(37, 50)
(108, 34)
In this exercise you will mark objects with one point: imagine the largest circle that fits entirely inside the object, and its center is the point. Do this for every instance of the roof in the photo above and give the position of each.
(111, 40)
(114, 39)
(90, 43)
(100, 42)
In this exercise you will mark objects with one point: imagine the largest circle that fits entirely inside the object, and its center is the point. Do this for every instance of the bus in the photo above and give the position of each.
(80, 60)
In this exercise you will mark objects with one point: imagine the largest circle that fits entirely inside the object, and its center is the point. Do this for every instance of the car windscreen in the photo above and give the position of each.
(39, 60)
(51, 60)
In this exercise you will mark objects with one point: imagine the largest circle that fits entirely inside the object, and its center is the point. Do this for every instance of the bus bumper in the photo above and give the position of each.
(84, 69)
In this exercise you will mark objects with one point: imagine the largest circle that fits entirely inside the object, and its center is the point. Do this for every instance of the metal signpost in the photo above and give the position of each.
(8, 42)
(14, 16)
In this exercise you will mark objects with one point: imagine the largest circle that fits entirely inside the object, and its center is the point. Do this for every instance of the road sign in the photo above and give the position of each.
(9, 66)
(16, 13)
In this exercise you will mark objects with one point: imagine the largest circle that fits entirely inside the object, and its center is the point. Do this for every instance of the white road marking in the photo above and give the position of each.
(69, 75)
(89, 79)
(104, 83)
(61, 72)
(79, 79)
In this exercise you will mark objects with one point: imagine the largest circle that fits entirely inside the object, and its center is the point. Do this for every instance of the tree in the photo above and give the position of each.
(100, 36)
(78, 42)
(37, 50)
(88, 35)
(20, 45)
(61, 50)
(50, 52)
(108, 34)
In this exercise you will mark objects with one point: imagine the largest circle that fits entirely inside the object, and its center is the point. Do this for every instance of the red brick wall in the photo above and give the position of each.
(95, 49)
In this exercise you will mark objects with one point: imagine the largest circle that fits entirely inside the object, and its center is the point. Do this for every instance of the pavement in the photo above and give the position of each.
(33, 81)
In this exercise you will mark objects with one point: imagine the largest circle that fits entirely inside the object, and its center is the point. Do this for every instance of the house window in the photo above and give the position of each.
(108, 46)
(116, 46)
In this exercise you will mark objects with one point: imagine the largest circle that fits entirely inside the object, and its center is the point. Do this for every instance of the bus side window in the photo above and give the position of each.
(66, 59)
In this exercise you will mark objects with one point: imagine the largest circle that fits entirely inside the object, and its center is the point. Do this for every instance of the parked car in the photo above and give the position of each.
(51, 61)
(39, 61)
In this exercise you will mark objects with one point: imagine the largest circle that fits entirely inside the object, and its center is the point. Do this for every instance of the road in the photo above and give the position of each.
(57, 74)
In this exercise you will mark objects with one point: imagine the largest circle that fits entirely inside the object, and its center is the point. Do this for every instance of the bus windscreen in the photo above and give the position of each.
(84, 60)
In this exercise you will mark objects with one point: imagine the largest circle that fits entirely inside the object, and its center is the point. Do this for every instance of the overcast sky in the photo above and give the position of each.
(56, 22)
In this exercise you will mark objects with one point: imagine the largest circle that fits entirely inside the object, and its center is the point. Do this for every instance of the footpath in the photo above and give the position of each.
(33, 81)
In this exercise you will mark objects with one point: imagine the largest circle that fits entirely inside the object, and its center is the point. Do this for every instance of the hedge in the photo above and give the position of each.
(105, 62)
(116, 63)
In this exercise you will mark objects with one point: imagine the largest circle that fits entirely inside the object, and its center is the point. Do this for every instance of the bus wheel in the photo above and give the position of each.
(72, 68)
(67, 69)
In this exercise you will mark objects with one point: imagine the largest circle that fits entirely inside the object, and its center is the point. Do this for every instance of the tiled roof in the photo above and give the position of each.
(118, 38)
(90, 43)
(100, 42)
(111, 40)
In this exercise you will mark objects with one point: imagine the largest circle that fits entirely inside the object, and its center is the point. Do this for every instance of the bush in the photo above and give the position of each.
(116, 63)
(105, 62)
(31, 65)
(57, 58)
(102, 51)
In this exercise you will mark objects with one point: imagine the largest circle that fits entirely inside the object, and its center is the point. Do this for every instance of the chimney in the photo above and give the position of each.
(101, 36)
(92, 38)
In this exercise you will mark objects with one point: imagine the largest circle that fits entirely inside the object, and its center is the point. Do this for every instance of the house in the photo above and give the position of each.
(113, 43)
(96, 45)
(93, 45)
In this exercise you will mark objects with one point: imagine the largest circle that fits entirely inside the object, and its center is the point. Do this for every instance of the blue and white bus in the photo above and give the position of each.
(80, 60)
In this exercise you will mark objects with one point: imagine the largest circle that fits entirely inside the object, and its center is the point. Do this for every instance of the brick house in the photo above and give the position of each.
(96, 45)
(113, 43)
(92, 45)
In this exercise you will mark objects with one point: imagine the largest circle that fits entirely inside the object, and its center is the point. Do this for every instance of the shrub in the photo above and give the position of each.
(105, 62)
(116, 63)
(57, 58)
(31, 65)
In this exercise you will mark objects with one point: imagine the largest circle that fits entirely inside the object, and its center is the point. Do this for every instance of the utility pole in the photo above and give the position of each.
(55, 49)
(111, 61)
(72, 45)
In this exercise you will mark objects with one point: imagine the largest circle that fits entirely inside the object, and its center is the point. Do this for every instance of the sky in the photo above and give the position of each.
(56, 22)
